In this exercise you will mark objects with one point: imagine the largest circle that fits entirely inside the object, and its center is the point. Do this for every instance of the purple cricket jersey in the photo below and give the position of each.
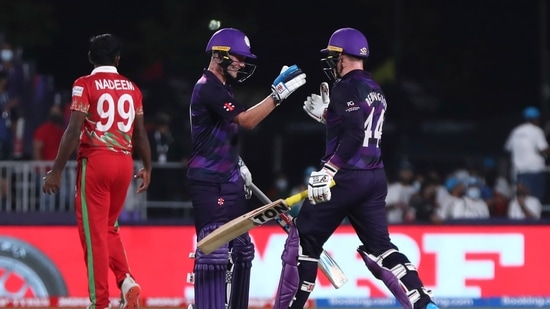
(214, 135)
(355, 118)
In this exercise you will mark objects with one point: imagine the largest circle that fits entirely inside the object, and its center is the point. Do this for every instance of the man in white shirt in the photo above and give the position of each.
(524, 206)
(528, 147)
(464, 202)
(399, 195)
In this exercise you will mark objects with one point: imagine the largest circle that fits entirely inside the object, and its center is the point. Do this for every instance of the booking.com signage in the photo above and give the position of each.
(504, 263)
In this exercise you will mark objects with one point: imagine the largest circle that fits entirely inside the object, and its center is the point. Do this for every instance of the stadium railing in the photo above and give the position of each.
(21, 190)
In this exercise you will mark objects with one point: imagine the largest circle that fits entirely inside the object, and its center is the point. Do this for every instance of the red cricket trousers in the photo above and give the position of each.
(102, 183)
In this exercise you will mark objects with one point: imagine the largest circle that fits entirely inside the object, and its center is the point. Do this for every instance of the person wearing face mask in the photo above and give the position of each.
(464, 201)
(6, 56)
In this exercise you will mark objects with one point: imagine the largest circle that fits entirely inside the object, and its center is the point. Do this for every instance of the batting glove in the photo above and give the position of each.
(318, 189)
(246, 175)
(247, 178)
(247, 192)
(316, 105)
(290, 79)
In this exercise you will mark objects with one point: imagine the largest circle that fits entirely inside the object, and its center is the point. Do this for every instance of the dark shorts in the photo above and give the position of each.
(359, 195)
(216, 203)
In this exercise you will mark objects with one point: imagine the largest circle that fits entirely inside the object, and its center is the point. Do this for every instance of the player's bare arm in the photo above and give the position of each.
(289, 79)
(250, 118)
(68, 144)
(141, 145)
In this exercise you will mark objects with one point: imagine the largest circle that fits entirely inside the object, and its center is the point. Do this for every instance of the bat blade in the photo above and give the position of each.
(225, 233)
(246, 222)
(327, 264)
(242, 224)
(332, 271)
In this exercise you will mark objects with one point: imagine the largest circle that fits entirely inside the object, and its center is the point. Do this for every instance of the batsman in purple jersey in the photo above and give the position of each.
(354, 116)
(217, 179)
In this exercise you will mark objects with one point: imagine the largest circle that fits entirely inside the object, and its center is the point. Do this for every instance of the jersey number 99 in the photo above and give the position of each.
(108, 112)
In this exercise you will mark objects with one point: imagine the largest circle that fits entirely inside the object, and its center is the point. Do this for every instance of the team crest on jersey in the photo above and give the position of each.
(228, 107)
(77, 91)
(351, 107)
(220, 201)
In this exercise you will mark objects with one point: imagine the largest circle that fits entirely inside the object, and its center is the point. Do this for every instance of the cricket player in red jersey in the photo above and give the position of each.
(107, 120)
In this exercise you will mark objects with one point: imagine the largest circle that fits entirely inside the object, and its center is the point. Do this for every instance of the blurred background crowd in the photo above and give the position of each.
(458, 76)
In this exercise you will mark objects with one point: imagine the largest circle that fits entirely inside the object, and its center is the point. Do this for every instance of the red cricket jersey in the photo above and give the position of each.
(111, 102)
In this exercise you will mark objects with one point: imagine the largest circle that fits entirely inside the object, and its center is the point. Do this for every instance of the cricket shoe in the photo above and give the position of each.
(129, 293)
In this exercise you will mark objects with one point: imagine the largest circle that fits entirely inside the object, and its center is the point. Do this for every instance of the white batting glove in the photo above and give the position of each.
(316, 105)
(246, 175)
(247, 178)
(318, 188)
(290, 79)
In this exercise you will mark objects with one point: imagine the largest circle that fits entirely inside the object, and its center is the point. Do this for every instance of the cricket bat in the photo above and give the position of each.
(327, 264)
(248, 221)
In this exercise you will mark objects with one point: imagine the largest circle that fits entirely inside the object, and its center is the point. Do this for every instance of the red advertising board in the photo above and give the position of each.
(454, 261)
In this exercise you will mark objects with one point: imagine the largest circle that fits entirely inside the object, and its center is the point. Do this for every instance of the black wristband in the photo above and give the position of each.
(330, 168)
(275, 99)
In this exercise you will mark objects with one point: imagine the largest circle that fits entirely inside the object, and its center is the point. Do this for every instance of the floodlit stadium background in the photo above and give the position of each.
(456, 74)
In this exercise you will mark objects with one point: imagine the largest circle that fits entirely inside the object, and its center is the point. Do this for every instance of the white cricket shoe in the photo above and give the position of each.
(129, 293)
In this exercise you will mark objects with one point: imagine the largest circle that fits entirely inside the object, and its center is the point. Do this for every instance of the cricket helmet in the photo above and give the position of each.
(347, 41)
(230, 40)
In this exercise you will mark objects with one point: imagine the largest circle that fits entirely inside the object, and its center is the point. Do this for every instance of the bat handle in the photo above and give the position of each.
(291, 200)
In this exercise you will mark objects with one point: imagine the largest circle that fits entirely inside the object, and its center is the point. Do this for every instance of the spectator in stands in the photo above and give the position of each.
(14, 88)
(425, 203)
(45, 143)
(441, 192)
(47, 136)
(524, 205)
(495, 189)
(399, 194)
(464, 201)
(6, 135)
(4, 191)
(162, 142)
(163, 149)
(528, 148)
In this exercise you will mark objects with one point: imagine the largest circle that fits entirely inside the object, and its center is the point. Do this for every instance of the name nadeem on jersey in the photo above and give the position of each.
(116, 84)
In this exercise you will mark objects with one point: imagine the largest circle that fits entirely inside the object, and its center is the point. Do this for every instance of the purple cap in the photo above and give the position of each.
(348, 41)
(230, 40)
